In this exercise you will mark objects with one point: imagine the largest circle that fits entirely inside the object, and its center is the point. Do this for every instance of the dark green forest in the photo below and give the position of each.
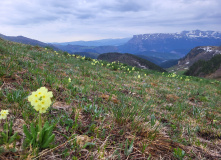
(201, 67)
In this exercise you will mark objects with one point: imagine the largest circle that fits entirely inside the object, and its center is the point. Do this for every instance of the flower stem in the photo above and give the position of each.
(39, 123)
(7, 145)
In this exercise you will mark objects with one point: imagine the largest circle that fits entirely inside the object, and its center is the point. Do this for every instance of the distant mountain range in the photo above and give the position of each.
(175, 43)
(93, 49)
(102, 42)
(25, 40)
(158, 47)
(164, 49)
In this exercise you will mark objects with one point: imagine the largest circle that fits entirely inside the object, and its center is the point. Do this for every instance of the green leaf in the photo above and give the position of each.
(48, 141)
(5, 126)
(127, 150)
(12, 138)
(28, 135)
(46, 125)
(89, 144)
(50, 129)
(10, 129)
(46, 135)
(4, 137)
(131, 147)
(153, 120)
(33, 129)
(41, 134)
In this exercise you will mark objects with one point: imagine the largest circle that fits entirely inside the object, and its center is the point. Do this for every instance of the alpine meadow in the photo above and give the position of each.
(56, 105)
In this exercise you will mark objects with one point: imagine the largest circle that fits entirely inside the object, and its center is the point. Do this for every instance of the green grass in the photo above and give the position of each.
(106, 111)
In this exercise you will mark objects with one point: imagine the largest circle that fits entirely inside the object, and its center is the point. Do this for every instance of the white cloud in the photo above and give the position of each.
(68, 20)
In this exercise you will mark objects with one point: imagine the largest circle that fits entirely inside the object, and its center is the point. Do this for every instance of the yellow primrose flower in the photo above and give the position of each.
(69, 79)
(43, 109)
(37, 107)
(3, 114)
(35, 102)
(33, 96)
(138, 76)
(44, 92)
(41, 99)
(214, 121)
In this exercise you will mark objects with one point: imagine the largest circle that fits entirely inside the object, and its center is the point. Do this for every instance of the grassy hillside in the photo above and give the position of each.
(103, 110)
(25, 40)
(130, 59)
(87, 54)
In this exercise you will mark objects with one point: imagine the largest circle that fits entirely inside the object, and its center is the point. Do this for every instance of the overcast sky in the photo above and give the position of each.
(72, 20)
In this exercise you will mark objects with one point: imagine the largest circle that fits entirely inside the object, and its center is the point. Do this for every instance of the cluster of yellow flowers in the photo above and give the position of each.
(95, 62)
(41, 99)
(174, 75)
(171, 75)
(3, 114)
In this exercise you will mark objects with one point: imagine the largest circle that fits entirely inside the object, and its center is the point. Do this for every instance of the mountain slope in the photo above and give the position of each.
(131, 60)
(210, 68)
(101, 113)
(25, 40)
(94, 49)
(154, 60)
(159, 55)
(169, 63)
(198, 53)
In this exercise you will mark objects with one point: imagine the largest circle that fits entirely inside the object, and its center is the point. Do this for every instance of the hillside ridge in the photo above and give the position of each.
(131, 60)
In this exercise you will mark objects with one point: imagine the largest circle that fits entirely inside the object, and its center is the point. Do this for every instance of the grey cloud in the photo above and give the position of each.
(85, 16)
(112, 17)
(32, 21)
(125, 6)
